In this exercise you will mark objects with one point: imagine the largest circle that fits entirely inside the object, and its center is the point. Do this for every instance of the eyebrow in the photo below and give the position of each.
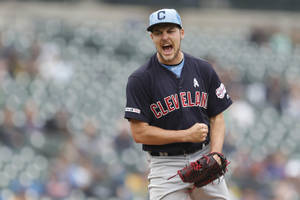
(168, 29)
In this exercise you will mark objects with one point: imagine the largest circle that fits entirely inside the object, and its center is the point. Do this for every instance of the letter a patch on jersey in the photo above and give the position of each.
(196, 84)
(221, 91)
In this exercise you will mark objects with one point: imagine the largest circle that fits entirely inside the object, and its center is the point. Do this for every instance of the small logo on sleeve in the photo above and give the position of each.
(134, 110)
(221, 91)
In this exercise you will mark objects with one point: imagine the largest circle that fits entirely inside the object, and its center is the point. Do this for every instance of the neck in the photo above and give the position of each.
(178, 58)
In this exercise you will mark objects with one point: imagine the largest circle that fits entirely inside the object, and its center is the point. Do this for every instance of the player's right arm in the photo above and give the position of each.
(144, 133)
(138, 112)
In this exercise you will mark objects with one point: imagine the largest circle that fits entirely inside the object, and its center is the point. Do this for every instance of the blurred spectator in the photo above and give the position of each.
(123, 140)
(275, 165)
(250, 194)
(88, 141)
(242, 113)
(259, 36)
(281, 43)
(292, 106)
(292, 169)
(13, 61)
(285, 190)
(32, 64)
(295, 35)
(10, 134)
(31, 124)
(57, 185)
(50, 63)
(3, 64)
(276, 92)
(58, 123)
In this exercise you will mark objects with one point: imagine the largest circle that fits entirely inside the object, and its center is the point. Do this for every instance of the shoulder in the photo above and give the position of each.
(144, 73)
(199, 64)
(145, 69)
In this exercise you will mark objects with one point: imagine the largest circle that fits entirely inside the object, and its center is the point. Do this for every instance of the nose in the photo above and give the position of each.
(165, 35)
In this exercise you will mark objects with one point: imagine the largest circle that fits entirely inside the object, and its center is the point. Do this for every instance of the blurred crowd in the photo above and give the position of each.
(51, 149)
(48, 162)
(42, 155)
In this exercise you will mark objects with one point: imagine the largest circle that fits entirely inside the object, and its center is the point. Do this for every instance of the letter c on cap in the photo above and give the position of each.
(161, 15)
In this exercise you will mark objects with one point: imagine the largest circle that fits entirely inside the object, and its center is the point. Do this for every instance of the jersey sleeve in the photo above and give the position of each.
(218, 100)
(137, 100)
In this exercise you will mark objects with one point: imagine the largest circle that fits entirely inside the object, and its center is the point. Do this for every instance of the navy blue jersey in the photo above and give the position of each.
(156, 96)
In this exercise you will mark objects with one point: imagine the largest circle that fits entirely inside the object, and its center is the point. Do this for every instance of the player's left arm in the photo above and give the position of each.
(217, 134)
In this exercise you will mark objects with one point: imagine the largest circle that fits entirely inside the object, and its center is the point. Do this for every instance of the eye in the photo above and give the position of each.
(171, 31)
(156, 33)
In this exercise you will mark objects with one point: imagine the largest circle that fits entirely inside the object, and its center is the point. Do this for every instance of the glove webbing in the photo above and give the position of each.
(195, 165)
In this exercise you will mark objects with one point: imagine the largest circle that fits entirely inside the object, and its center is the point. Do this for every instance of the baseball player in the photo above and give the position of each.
(174, 105)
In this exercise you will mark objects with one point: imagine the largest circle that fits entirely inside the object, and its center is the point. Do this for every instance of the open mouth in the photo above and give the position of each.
(167, 48)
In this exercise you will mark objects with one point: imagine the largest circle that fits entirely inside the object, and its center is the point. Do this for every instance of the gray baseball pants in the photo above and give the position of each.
(163, 167)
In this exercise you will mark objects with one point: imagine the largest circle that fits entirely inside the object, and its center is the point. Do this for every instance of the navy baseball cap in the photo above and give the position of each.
(164, 16)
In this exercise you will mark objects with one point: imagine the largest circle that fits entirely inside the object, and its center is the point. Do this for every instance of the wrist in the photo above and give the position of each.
(185, 136)
(215, 147)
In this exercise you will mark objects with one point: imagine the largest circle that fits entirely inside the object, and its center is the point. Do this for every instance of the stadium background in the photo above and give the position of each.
(63, 71)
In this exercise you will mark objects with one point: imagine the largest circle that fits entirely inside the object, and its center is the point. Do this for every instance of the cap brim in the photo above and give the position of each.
(151, 27)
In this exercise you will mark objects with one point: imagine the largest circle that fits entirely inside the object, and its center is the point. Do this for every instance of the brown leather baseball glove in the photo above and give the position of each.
(204, 170)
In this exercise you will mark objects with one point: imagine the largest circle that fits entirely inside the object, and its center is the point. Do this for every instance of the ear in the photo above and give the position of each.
(182, 33)
(151, 35)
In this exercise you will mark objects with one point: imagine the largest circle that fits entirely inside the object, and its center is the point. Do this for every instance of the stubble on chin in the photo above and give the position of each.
(167, 59)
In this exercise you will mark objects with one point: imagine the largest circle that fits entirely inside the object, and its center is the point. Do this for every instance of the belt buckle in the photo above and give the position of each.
(163, 153)
(185, 153)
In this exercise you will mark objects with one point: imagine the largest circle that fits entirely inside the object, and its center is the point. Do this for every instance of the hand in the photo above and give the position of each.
(198, 132)
(218, 159)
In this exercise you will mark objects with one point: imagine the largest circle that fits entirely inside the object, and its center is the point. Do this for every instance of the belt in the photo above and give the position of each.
(180, 151)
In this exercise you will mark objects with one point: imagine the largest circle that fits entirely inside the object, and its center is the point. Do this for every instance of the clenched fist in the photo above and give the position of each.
(197, 133)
